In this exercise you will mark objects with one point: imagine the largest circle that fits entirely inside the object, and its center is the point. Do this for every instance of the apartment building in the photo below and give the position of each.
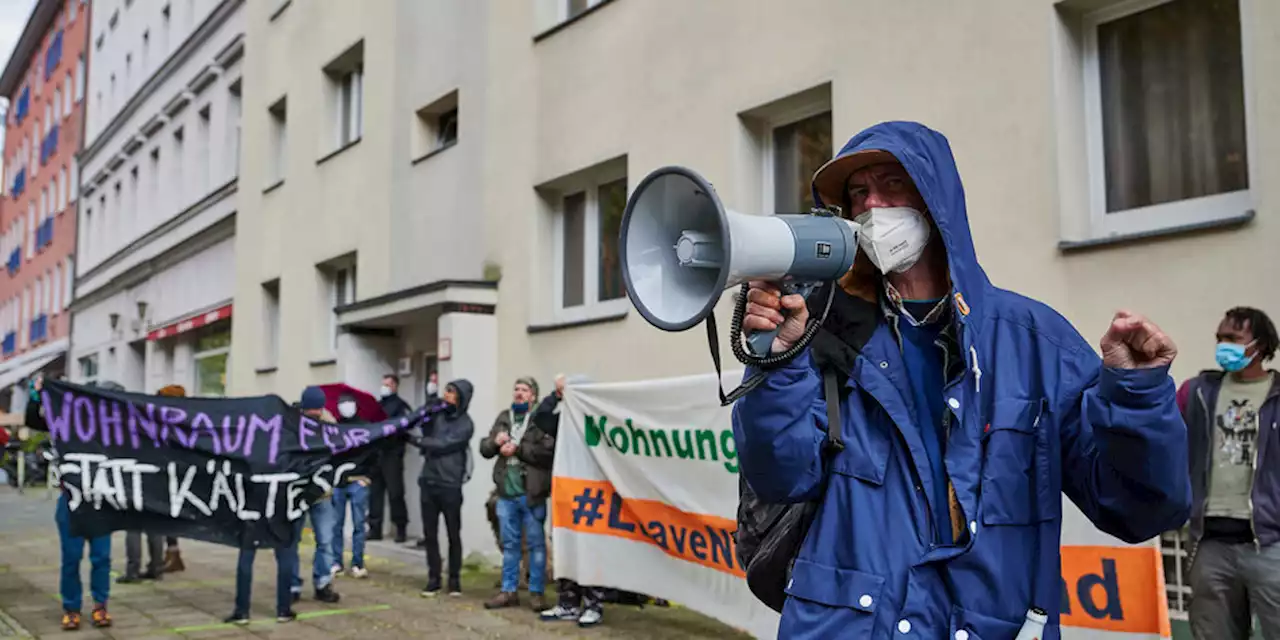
(154, 282)
(360, 249)
(44, 82)
(467, 219)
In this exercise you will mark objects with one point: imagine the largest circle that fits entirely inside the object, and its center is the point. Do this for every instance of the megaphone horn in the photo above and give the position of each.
(681, 248)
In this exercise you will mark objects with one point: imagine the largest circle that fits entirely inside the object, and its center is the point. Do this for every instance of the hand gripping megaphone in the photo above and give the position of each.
(681, 249)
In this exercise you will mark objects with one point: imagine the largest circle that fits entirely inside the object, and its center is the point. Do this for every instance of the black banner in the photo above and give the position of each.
(235, 471)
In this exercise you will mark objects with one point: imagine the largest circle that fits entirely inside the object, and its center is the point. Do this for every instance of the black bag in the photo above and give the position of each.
(770, 534)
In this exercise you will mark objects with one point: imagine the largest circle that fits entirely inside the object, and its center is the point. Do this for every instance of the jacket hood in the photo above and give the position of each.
(464, 393)
(927, 157)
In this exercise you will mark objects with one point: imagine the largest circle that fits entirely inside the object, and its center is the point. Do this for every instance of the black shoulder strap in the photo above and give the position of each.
(835, 441)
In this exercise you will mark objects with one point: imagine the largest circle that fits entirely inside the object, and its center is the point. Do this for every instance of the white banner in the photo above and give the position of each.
(645, 499)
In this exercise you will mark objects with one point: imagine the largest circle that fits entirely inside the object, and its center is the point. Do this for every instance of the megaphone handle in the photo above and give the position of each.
(760, 343)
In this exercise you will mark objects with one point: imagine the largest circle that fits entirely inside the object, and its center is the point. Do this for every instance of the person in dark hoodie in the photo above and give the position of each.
(446, 447)
(388, 472)
(522, 474)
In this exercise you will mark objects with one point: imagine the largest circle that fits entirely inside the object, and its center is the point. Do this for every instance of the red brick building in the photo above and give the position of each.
(45, 85)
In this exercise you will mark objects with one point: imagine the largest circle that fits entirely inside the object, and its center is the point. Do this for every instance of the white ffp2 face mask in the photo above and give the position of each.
(347, 409)
(893, 237)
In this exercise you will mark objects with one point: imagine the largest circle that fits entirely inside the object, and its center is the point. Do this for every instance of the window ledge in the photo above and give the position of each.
(339, 150)
(573, 324)
(279, 10)
(273, 186)
(323, 363)
(564, 25)
(265, 370)
(434, 152)
(1074, 246)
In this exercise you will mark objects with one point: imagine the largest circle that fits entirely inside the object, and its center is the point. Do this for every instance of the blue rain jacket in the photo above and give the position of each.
(1034, 415)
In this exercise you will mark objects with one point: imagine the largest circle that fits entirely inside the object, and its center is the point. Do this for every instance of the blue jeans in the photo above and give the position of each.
(73, 553)
(322, 515)
(358, 496)
(286, 565)
(516, 515)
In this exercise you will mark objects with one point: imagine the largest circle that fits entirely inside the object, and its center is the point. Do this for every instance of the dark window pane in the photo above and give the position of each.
(1172, 91)
(576, 7)
(799, 149)
(613, 200)
(575, 237)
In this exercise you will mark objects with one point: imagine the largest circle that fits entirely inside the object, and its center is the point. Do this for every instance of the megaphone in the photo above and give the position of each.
(681, 249)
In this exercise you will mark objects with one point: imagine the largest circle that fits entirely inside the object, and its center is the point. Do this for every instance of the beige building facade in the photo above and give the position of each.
(1101, 172)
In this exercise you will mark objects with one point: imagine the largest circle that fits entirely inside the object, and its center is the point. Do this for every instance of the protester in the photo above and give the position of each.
(583, 604)
(353, 491)
(1231, 414)
(388, 471)
(966, 414)
(322, 514)
(446, 449)
(69, 583)
(286, 568)
(133, 557)
(522, 475)
(172, 554)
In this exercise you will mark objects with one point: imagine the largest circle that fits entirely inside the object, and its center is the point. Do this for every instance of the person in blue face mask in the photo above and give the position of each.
(1234, 445)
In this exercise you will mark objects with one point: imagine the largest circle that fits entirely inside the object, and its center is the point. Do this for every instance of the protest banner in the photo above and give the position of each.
(234, 471)
(645, 497)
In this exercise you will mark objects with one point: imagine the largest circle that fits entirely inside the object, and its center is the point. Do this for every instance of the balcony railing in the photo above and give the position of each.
(10, 343)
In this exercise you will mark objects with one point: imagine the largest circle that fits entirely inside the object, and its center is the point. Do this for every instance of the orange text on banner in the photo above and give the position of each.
(1114, 589)
(590, 506)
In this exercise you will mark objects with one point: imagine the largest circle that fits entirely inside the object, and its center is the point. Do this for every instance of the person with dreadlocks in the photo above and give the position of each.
(1231, 415)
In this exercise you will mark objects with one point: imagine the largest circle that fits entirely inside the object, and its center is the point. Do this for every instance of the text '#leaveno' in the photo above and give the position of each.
(113, 423)
(591, 506)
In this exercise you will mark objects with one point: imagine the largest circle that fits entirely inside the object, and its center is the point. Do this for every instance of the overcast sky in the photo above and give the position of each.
(13, 17)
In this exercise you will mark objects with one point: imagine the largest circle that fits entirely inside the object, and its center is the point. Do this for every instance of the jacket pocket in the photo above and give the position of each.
(867, 442)
(1017, 466)
(827, 602)
(967, 625)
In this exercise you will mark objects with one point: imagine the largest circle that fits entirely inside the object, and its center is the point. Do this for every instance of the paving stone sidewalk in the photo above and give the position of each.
(192, 604)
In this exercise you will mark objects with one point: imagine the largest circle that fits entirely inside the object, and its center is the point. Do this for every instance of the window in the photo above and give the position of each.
(346, 80)
(153, 184)
(271, 323)
(233, 130)
(146, 50)
(80, 78)
(570, 9)
(31, 229)
(57, 102)
(202, 165)
(798, 149)
(1164, 111)
(164, 30)
(67, 97)
(175, 182)
(588, 274)
(278, 115)
(73, 190)
(56, 279)
(436, 126)
(70, 273)
(213, 346)
(63, 192)
(89, 369)
(339, 278)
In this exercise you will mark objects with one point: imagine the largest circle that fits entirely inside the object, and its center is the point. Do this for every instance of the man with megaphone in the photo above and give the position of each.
(967, 413)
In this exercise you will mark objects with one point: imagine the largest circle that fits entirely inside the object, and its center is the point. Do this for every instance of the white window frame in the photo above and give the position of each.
(69, 272)
(80, 368)
(588, 183)
(337, 299)
(1169, 215)
(353, 116)
(562, 9)
(768, 190)
(202, 355)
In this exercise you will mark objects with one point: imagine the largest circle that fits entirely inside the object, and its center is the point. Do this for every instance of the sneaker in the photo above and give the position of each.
(287, 616)
(358, 572)
(297, 596)
(455, 593)
(237, 618)
(327, 594)
(590, 618)
(537, 603)
(401, 535)
(431, 591)
(128, 579)
(70, 620)
(335, 570)
(101, 618)
(560, 612)
(502, 600)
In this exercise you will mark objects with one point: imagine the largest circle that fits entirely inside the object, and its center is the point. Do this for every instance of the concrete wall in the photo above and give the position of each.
(639, 80)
